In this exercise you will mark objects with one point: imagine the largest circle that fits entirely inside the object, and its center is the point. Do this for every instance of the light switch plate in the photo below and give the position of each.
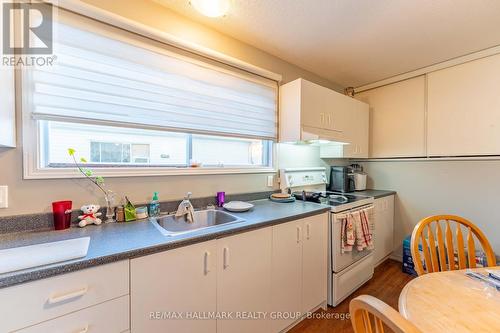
(4, 196)
(270, 181)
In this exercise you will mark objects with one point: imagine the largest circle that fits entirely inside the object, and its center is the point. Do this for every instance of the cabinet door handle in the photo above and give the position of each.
(322, 117)
(308, 231)
(207, 262)
(329, 117)
(83, 330)
(68, 295)
(226, 257)
(298, 234)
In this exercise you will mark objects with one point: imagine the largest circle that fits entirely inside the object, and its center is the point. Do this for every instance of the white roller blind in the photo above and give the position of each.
(103, 79)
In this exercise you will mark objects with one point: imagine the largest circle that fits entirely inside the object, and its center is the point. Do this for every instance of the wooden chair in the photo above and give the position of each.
(371, 315)
(428, 230)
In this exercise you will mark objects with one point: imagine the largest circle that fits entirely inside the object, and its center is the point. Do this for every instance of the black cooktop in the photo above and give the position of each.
(327, 197)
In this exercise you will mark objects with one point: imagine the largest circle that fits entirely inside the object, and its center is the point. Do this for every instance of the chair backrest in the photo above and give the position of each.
(371, 315)
(430, 257)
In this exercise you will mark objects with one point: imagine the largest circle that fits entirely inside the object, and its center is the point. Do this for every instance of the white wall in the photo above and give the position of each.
(33, 196)
(466, 188)
(299, 156)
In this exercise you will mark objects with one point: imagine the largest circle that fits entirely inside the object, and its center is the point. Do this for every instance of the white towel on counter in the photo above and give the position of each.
(357, 229)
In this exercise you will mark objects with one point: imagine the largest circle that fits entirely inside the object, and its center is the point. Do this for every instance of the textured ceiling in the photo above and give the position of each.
(355, 42)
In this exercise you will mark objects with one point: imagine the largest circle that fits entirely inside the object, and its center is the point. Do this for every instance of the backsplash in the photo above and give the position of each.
(44, 221)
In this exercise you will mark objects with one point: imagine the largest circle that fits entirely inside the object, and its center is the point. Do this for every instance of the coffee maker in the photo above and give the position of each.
(341, 179)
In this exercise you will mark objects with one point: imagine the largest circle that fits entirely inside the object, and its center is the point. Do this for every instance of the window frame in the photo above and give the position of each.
(32, 155)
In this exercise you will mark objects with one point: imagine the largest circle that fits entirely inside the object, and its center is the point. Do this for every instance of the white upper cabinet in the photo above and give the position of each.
(311, 112)
(397, 119)
(7, 108)
(464, 109)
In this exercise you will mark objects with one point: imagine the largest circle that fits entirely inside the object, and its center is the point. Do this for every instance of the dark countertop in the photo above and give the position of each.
(119, 241)
(375, 193)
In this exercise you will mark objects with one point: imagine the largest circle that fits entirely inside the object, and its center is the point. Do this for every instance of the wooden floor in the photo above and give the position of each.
(386, 284)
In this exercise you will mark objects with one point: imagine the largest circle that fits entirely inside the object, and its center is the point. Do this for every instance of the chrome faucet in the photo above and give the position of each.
(186, 209)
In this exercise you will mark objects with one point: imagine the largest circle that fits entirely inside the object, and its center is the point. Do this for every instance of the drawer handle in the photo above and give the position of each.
(298, 234)
(68, 295)
(308, 231)
(83, 330)
(226, 257)
(207, 262)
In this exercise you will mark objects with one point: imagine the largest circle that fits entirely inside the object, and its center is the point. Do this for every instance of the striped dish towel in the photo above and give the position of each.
(347, 232)
(363, 224)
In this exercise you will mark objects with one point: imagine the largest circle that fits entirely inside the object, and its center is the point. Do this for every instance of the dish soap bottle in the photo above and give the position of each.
(154, 206)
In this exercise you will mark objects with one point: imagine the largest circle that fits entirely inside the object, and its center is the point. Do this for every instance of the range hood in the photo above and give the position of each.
(310, 113)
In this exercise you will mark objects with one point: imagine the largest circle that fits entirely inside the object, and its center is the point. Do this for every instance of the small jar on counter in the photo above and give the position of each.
(120, 214)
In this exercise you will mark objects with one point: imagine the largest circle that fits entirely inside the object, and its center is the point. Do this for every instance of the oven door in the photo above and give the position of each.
(342, 260)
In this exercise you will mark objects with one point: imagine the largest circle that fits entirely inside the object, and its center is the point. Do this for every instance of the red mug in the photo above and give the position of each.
(62, 214)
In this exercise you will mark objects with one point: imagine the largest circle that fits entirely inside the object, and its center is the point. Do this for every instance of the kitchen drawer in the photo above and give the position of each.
(108, 317)
(345, 282)
(31, 303)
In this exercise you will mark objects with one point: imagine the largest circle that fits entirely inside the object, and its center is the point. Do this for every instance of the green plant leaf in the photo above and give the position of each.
(71, 151)
(99, 180)
(83, 160)
(88, 173)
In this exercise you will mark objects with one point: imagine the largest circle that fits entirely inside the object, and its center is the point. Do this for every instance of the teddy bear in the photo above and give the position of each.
(90, 215)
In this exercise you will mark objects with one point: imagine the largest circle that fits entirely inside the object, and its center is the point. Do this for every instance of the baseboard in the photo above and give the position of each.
(322, 305)
(392, 256)
(397, 257)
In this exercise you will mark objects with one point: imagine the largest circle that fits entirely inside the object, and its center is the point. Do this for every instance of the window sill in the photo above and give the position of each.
(58, 173)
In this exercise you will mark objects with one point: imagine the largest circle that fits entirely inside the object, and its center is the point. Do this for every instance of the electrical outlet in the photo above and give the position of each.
(4, 196)
(270, 181)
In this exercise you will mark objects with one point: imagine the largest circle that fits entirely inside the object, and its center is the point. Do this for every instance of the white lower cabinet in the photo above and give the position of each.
(41, 301)
(248, 278)
(244, 281)
(299, 274)
(383, 235)
(169, 289)
(177, 290)
(314, 262)
(286, 273)
(108, 317)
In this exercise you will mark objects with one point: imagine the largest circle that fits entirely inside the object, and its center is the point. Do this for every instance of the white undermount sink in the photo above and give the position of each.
(23, 257)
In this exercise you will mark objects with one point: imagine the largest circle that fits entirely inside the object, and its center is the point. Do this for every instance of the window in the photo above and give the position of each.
(117, 153)
(140, 153)
(125, 101)
(108, 146)
(106, 152)
(213, 151)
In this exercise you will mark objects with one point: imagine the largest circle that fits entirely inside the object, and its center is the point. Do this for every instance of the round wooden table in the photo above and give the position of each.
(451, 302)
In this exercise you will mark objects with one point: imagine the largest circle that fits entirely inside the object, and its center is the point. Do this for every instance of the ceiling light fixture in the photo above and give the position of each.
(211, 8)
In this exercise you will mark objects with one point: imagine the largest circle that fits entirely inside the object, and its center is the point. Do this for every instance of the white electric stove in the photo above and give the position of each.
(346, 271)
